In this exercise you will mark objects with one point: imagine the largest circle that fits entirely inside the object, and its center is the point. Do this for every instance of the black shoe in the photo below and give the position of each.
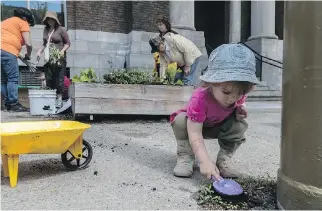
(5, 107)
(18, 108)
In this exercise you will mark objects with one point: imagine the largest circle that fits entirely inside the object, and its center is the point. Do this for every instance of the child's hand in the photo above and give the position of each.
(241, 113)
(209, 169)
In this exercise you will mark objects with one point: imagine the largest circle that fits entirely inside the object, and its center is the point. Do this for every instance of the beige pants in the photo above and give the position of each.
(230, 133)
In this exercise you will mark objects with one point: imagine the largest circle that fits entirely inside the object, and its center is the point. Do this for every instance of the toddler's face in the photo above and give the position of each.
(161, 47)
(226, 93)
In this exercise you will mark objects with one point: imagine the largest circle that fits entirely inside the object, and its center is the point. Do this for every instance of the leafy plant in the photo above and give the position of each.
(123, 76)
(170, 74)
(179, 82)
(86, 75)
(55, 58)
(173, 65)
(140, 76)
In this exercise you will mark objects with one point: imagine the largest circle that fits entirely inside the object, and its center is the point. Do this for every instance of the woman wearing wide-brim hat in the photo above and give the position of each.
(54, 36)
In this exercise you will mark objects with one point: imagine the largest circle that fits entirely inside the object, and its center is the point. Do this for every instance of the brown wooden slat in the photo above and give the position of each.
(132, 91)
(123, 106)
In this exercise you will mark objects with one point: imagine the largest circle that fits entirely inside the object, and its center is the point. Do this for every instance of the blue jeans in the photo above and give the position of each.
(190, 79)
(9, 78)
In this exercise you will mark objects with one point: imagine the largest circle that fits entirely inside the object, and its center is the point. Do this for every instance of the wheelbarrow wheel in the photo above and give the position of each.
(73, 163)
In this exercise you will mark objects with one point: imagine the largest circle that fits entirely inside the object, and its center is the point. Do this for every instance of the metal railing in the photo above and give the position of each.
(259, 60)
(30, 79)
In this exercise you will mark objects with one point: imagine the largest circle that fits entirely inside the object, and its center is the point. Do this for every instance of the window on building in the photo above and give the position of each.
(38, 8)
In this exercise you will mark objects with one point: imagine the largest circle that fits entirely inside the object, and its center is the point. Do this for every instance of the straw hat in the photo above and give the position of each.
(51, 14)
(231, 62)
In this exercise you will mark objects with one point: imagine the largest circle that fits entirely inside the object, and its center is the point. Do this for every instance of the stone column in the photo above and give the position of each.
(299, 185)
(263, 20)
(235, 21)
(182, 15)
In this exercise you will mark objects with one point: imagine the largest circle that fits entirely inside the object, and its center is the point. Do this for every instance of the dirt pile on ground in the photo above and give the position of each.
(259, 194)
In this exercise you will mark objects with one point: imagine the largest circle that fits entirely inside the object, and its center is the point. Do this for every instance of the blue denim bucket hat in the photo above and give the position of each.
(231, 62)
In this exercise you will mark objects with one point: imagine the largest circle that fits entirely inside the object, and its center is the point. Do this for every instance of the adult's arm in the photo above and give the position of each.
(66, 39)
(27, 40)
(25, 32)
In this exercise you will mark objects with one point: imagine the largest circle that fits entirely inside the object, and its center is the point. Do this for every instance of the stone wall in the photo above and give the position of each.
(99, 50)
(146, 13)
(108, 16)
(104, 51)
(116, 16)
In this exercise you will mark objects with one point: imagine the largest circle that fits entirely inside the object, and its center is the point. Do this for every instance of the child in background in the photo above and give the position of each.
(67, 83)
(156, 71)
(216, 110)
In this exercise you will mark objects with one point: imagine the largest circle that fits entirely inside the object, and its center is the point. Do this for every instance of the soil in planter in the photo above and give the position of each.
(259, 194)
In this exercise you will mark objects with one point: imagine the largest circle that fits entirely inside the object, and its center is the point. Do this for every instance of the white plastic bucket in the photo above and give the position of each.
(42, 102)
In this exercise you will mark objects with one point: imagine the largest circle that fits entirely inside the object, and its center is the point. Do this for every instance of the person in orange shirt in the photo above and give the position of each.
(15, 32)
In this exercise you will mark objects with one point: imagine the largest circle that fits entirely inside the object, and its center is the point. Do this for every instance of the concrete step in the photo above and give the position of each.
(262, 83)
(265, 93)
(260, 99)
(262, 88)
(276, 105)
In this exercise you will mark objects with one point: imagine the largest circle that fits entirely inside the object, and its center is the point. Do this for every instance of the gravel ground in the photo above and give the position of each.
(134, 162)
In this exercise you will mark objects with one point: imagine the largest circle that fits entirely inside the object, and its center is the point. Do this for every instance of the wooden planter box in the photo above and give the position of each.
(136, 99)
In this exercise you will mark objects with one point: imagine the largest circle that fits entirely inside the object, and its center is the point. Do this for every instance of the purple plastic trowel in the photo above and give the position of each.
(227, 187)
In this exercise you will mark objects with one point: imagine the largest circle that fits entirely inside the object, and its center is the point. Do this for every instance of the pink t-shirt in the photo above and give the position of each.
(203, 108)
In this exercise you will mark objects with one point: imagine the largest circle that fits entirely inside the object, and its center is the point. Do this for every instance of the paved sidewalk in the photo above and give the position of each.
(134, 161)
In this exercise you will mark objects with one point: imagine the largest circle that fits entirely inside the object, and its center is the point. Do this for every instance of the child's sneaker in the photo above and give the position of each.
(225, 166)
(184, 167)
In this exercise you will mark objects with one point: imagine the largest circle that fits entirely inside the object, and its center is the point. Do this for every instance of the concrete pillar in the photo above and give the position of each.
(235, 21)
(182, 15)
(299, 185)
(263, 20)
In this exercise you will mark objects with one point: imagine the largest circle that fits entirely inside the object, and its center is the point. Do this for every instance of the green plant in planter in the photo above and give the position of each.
(170, 75)
(123, 76)
(139, 76)
(86, 75)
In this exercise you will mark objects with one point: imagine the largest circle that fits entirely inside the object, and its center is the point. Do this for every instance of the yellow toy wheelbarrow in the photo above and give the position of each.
(44, 137)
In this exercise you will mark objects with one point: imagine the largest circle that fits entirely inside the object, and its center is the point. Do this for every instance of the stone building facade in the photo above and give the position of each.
(115, 34)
